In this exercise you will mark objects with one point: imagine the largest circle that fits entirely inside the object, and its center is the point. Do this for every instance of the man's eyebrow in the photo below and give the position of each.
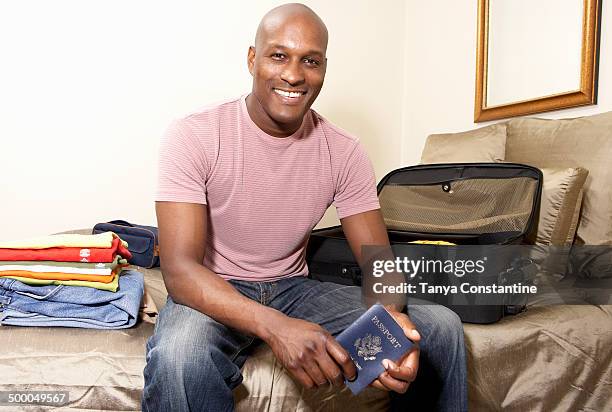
(312, 52)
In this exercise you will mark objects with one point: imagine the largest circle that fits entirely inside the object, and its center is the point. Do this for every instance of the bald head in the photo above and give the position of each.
(296, 14)
(288, 64)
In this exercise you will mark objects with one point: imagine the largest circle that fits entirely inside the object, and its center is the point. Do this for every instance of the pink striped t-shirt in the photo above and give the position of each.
(264, 194)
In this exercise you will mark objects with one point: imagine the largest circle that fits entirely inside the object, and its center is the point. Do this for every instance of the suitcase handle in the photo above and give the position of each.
(121, 223)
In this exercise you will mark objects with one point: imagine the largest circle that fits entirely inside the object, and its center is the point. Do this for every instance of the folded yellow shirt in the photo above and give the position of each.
(101, 240)
(111, 287)
(55, 269)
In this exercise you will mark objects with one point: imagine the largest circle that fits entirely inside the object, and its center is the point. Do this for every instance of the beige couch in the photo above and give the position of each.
(547, 358)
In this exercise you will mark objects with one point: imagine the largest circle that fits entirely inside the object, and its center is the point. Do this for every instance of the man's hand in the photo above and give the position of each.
(309, 352)
(397, 378)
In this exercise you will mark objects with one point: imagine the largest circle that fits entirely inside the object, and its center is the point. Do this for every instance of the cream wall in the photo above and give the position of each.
(440, 71)
(87, 89)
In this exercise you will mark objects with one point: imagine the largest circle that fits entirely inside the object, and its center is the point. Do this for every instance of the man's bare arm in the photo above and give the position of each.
(365, 229)
(182, 238)
(368, 229)
(308, 351)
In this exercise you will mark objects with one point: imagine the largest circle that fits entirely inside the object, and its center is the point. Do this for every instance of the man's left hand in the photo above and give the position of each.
(398, 377)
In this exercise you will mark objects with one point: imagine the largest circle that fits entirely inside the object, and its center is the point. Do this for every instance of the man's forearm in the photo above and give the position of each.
(196, 286)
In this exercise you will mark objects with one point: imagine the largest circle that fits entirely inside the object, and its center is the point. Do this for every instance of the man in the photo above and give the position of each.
(241, 186)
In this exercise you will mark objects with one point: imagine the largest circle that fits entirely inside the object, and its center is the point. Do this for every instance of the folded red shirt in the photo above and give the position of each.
(69, 254)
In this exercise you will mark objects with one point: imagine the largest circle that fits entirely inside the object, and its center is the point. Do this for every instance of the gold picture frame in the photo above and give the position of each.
(585, 95)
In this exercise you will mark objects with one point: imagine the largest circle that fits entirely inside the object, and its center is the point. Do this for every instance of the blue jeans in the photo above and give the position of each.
(72, 306)
(194, 362)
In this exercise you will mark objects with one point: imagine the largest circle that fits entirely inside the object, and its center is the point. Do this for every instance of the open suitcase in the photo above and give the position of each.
(490, 205)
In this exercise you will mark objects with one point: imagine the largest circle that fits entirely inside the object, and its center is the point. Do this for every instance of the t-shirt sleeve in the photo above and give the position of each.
(182, 167)
(356, 185)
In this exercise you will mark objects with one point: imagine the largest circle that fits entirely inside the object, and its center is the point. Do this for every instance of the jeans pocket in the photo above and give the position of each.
(46, 296)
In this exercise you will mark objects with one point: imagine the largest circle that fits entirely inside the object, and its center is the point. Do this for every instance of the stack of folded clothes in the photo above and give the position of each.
(69, 280)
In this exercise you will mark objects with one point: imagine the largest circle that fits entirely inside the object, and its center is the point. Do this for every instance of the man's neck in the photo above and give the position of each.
(265, 122)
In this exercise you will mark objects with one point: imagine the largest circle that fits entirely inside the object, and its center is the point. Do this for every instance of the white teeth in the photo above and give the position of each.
(287, 94)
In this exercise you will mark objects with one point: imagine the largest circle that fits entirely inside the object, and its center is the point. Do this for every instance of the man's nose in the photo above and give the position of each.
(293, 73)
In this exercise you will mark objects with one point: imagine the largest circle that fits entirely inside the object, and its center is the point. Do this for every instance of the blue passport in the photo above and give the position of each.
(370, 339)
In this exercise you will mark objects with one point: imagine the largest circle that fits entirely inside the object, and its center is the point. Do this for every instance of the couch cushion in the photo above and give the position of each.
(560, 205)
(547, 358)
(582, 142)
(102, 369)
(267, 386)
(487, 144)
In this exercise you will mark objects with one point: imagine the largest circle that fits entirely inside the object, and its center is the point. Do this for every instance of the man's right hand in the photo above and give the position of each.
(309, 352)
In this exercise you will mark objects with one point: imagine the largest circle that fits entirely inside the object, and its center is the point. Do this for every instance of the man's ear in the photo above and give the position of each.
(251, 59)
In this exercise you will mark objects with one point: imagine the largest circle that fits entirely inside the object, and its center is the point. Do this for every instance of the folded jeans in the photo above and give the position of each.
(72, 306)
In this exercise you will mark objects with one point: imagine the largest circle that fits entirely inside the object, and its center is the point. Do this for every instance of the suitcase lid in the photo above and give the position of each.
(462, 198)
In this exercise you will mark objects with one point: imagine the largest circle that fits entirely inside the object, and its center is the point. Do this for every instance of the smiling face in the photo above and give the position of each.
(288, 67)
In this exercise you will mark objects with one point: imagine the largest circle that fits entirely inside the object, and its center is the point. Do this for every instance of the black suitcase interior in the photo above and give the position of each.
(466, 204)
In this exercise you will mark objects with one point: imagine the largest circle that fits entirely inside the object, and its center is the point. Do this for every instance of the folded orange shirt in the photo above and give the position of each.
(62, 275)
(69, 254)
